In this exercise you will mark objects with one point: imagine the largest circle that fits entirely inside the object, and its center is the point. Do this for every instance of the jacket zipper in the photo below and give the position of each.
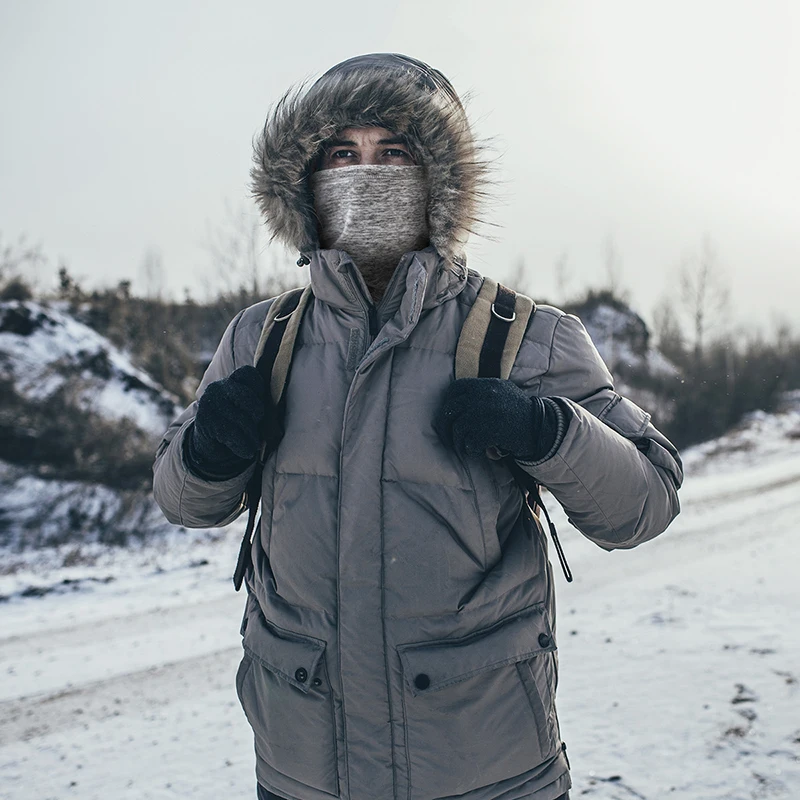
(372, 321)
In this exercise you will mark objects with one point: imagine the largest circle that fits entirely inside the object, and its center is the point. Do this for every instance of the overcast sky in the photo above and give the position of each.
(127, 127)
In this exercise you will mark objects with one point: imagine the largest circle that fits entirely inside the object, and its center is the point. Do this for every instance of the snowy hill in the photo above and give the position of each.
(680, 660)
(623, 339)
(79, 424)
(43, 350)
(640, 370)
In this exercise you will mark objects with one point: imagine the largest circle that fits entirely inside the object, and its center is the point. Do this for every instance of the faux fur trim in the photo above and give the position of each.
(386, 90)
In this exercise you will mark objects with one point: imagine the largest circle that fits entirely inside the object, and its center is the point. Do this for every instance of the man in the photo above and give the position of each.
(399, 628)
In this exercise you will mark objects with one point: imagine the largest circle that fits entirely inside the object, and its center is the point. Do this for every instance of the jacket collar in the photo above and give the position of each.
(335, 280)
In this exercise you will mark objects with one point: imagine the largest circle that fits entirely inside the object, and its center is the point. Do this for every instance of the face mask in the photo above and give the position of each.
(375, 213)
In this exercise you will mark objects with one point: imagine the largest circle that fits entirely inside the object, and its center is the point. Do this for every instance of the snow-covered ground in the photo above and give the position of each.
(680, 660)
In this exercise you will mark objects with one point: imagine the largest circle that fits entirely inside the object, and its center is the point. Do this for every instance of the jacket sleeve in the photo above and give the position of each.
(185, 498)
(614, 473)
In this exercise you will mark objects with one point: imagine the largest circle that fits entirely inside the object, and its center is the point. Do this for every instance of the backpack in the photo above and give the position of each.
(487, 348)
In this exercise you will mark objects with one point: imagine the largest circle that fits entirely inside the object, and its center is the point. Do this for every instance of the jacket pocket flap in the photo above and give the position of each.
(291, 656)
(428, 666)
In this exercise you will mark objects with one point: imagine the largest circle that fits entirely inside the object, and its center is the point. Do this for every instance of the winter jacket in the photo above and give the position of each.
(399, 632)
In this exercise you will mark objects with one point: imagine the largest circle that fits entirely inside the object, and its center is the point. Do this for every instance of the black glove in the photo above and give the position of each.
(234, 416)
(478, 413)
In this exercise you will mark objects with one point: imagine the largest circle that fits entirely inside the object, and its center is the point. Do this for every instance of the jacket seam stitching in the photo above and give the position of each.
(268, 549)
(476, 635)
(180, 498)
(272, 668)
(550, 354)
(606, 409)
(236, 322)
(383, 588)
(321, 343)
(426, 483)
(405, 736)
(515, 659)
(305, 474)
(406, 346)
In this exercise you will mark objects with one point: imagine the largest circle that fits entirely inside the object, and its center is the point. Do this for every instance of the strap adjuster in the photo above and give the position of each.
(285, 316)
(500, 316)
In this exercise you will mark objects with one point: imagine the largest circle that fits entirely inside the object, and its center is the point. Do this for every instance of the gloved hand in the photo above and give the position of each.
(478, 413)
(234, 415)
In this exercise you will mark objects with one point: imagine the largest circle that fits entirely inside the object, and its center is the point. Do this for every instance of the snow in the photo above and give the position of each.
(40, 346)
(621, 339)
(42, 512)
(680, 659)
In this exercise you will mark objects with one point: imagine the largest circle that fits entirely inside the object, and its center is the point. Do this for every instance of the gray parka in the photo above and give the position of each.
(399, 632)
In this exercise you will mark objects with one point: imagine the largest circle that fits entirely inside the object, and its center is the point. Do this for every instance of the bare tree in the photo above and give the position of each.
(670, 338)
(519, 278)
(563, 275)
(243, 265)
(152, 271)
(613, 267)
(20, 268)
(703, 292)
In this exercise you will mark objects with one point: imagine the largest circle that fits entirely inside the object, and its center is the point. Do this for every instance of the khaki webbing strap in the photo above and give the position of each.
(473, 333)
(273, 355)
(283, 360)
(280, 372)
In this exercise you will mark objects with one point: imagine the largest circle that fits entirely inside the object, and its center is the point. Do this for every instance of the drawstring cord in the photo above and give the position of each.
(556, 541)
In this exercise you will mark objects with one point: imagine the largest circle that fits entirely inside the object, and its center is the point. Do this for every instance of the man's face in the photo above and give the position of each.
(365, 146)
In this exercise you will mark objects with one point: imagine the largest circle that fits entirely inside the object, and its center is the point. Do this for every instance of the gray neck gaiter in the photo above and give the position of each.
(375, 213)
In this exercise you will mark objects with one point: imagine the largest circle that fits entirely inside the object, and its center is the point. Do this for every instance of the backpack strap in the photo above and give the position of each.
(487, 348)
(273, 358)
(493, 331)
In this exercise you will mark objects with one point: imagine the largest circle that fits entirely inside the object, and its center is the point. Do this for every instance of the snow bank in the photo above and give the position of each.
(42, 349)
(623, 340)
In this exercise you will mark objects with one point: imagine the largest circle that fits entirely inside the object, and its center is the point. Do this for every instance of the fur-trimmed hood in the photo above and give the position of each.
(389, 90)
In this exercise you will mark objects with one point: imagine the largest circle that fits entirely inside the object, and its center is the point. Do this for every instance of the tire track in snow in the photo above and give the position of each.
(137, 693)
(46, 662)
(96, 630)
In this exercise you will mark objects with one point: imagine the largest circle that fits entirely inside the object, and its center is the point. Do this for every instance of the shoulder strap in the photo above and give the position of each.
(487, 348)
(273, 358)
(275, 348)
(493, 331)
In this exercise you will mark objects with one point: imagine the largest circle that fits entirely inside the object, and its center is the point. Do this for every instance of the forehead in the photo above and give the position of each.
(367, 135)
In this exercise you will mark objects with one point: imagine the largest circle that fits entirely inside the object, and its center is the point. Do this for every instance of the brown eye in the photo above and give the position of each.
(396, 153)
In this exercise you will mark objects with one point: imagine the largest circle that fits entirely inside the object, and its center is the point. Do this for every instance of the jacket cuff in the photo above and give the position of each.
(562, 421)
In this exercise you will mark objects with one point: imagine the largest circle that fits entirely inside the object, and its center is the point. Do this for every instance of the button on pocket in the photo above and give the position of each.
(422, 681)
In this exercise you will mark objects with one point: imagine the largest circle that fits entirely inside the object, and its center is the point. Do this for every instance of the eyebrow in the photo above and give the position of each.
(340, 143)
(349, 143)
